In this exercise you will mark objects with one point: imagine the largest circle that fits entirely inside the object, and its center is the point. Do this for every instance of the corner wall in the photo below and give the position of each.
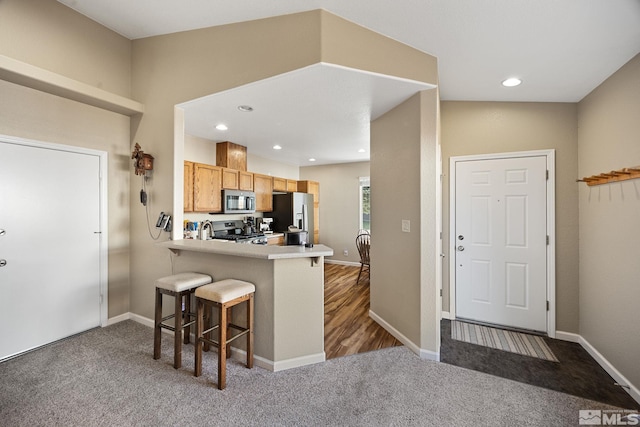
(609, 139)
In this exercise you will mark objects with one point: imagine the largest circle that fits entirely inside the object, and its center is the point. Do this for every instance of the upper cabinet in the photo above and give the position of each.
(279, 184)
(263, 187)
(232, 156)
(292, 186)
(245, 181)
(188, 187)
(230, 179)
(207, 186)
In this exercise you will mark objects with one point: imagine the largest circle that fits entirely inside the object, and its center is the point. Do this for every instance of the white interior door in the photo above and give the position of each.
(50, 244)
(501, 241)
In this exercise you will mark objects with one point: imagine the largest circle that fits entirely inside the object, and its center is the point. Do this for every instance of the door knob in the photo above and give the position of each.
(461, 237)
(461, 248)
(3, 262)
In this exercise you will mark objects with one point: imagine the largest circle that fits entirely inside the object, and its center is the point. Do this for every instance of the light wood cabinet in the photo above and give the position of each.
(263, 187)
(245, 181)
(207, 188)
(313, 187)
(188, 187)
(279, 184)
(232, 156)
(230, 179)
(292, 186)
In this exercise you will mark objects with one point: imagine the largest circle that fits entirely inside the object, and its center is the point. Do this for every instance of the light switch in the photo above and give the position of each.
(406, 225)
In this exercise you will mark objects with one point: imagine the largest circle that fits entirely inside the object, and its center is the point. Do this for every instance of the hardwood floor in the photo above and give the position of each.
(348, 329)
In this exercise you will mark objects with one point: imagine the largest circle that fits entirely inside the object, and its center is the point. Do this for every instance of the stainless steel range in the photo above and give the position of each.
(237, 231)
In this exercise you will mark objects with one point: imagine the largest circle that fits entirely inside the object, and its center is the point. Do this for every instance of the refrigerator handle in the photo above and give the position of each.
(305, 225)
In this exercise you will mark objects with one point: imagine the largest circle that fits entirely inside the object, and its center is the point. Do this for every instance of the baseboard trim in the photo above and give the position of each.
(236, 353)
(633, 391)
(336, 261)
(568, 336)
(421, 352)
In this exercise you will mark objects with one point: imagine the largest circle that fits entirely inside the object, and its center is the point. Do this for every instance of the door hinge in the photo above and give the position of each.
(547, 305)
(547, 174)
(440, 292)
(547, 240)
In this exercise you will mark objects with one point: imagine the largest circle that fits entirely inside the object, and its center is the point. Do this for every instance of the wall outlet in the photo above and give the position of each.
(406, 225)
(345, 252)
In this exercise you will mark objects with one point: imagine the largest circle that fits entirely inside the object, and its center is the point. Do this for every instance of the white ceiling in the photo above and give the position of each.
(560, 49)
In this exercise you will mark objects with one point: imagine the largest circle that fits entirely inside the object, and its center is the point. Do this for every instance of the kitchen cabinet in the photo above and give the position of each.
(292, 186)
(230, 179)
(279, 184)
(207, 188)
(232, 156)
(313, 187)
(188, 187)
(263, 187)
(245, 181)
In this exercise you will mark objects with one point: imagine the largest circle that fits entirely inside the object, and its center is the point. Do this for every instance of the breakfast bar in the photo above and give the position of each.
(289, 296)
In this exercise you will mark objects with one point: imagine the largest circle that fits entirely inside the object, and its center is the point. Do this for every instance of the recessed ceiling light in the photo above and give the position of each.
(245, 108)
(277, 147)
(312, 159)
(221, 126)
(361, 150)
(513, 81)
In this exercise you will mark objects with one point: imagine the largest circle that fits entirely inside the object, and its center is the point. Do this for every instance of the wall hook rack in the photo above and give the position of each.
(613, 176)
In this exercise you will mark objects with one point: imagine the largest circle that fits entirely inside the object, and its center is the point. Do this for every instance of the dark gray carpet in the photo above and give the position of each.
(108, 377)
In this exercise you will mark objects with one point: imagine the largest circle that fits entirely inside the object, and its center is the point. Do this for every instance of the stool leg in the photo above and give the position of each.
(177, 339)
(222, 348)
(250, 334)
(208, 323)
(198, 343)
(157, 332)
(186, 318)
(228, 331)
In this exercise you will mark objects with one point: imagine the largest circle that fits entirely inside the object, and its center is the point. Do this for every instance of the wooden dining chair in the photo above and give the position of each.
(363, 243)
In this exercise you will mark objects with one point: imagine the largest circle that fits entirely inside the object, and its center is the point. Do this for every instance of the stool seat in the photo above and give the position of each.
(181, 287)
(225, 290)
(182, 281)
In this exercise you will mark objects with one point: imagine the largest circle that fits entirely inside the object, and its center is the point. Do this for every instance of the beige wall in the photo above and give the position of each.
(403, 182)
(493, 127)
(609, 139)
(51, 36)
(339, 205)
(171, 69)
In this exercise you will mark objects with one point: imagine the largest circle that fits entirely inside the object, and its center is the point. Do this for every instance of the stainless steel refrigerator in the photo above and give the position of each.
(292, 209)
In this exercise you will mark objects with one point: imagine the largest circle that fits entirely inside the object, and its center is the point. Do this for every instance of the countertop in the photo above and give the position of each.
(247, 250)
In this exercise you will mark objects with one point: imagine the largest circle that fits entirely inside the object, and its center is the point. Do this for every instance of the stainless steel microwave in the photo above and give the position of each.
(235, 201)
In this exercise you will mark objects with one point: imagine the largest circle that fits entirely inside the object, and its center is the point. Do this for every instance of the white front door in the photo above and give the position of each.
(49, 244)
(501, 241)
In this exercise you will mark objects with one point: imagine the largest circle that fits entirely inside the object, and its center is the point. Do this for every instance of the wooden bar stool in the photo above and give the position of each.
(223, 295)
(180, 286)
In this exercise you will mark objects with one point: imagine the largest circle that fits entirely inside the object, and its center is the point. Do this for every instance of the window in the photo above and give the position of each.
(365, 204)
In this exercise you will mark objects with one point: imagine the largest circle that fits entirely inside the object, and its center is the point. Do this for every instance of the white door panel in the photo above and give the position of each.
(50, 211)
(500, 234)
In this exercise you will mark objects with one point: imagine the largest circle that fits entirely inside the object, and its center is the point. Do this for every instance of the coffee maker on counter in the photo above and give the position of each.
(265, 225)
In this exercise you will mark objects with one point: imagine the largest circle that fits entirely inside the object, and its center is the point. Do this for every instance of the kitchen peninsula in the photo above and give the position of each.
(289, 298)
